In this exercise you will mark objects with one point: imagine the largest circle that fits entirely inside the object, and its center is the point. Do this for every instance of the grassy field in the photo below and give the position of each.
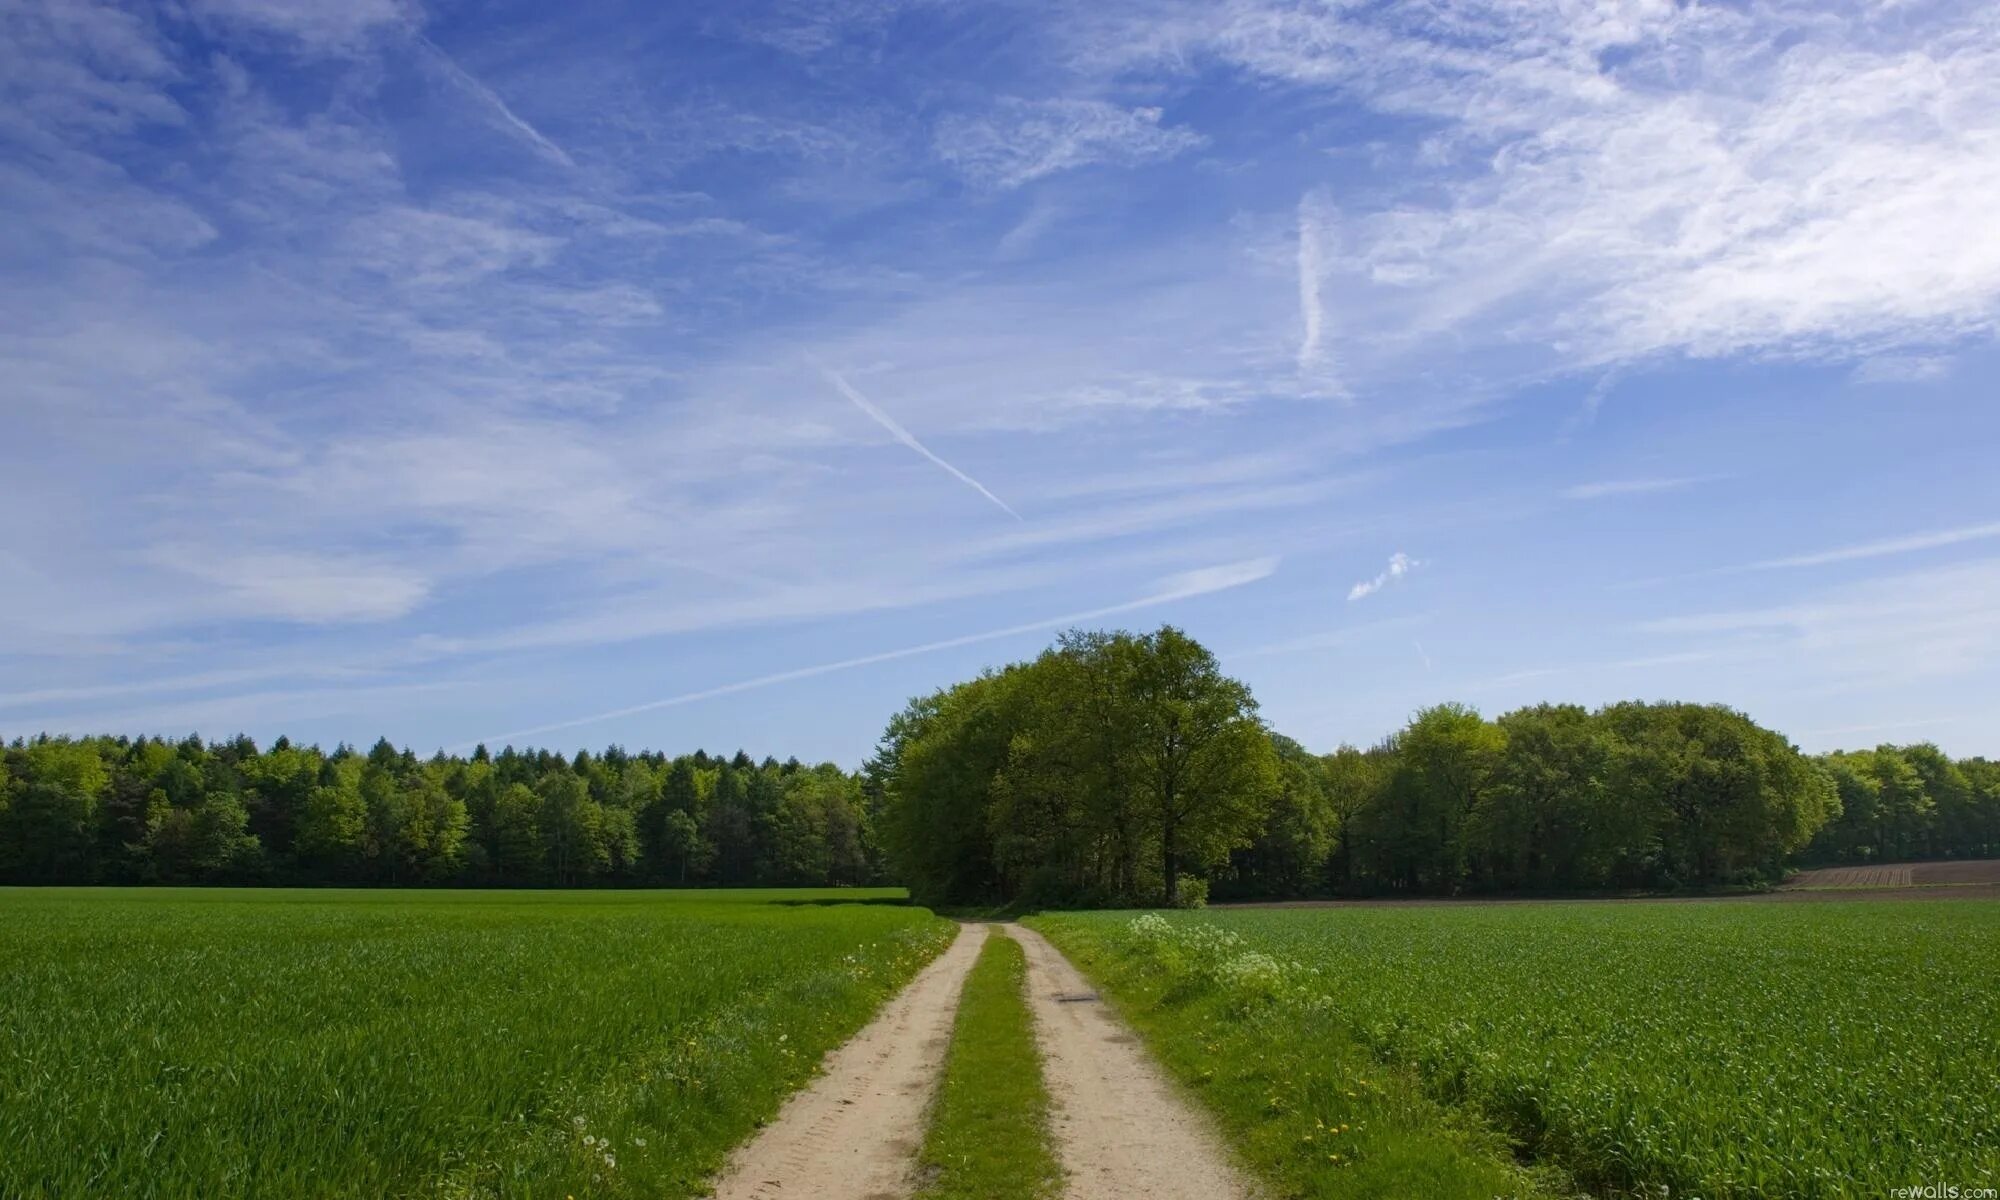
(386, 1044)
(1716, 1050)
(988, 1137)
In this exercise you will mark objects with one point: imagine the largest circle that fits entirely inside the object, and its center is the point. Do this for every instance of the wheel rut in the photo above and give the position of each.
(1122, 1131)
(853, 1133)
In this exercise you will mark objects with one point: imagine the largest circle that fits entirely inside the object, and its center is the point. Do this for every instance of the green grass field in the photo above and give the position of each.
(1714, 1050)
(385, 1044)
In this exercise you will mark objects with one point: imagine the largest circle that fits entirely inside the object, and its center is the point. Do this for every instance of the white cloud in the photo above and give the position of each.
(1017, 141)
(312, 25)
(1331, 639)
(1312, 312)
(1400, 564)
(380, 376)
(1186, 585)
(1902, 368)
(490, 100)
(1629, 487)
(1884, 547)
(430, 248)
(1181, 511)
(1616, 181)
(909, 439)
(1644, 662)
(1922, 625)
(83, 68)
(201, 681)
(221, 716)
(309, 588)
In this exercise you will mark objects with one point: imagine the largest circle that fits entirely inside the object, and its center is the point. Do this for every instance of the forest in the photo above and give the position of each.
(1113, 769)
(1121, 770)
(125, 810)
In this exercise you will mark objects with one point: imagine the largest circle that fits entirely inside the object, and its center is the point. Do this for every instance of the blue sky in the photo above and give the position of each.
(725, 375)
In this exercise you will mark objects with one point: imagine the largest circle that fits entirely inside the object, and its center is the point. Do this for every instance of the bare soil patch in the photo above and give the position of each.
(1977, 879)
(1852, 877)
(1983, 872)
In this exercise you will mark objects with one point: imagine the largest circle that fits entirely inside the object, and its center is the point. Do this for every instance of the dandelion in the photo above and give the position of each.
(639, 1142)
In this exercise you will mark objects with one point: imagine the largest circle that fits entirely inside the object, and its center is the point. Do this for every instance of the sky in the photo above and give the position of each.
(726, 375)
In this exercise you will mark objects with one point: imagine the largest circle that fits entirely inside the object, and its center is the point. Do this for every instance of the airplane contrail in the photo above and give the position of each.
(1180, 587)
(1311, 313)
(908, 439)
(491, 99)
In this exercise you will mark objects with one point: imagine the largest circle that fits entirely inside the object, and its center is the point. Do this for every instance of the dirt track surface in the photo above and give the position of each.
(1121, 1131)
(854, 1133)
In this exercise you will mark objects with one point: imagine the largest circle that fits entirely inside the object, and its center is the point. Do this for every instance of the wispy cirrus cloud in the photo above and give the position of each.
(321, 347)
(304, 587)
(1917, 625)
(1312, 252)
(491, 101)
(896, 430)
(1599, 489)
(307, 26)
(1882, 548)
(1824, 178)
(1902, 368)
(1201, 581)
(1018, 141)
(1638, 663)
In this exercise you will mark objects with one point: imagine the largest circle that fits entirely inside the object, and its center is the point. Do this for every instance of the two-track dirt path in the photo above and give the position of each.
(1121, 1130)
(854, 1133)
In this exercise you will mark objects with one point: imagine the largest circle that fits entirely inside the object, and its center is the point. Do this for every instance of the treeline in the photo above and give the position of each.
(1113, 765)
(1909, 802)
(122, 810)
(1114, 769)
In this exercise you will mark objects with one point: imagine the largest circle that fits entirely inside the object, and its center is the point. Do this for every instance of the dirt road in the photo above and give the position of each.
(854, 1134)
(1121, 1130)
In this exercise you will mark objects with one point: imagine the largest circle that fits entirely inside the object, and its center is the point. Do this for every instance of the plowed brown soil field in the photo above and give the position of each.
(1977, 872)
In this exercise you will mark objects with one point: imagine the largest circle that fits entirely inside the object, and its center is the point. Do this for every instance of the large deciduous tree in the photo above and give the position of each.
(1103, 771)
(1203, 767)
